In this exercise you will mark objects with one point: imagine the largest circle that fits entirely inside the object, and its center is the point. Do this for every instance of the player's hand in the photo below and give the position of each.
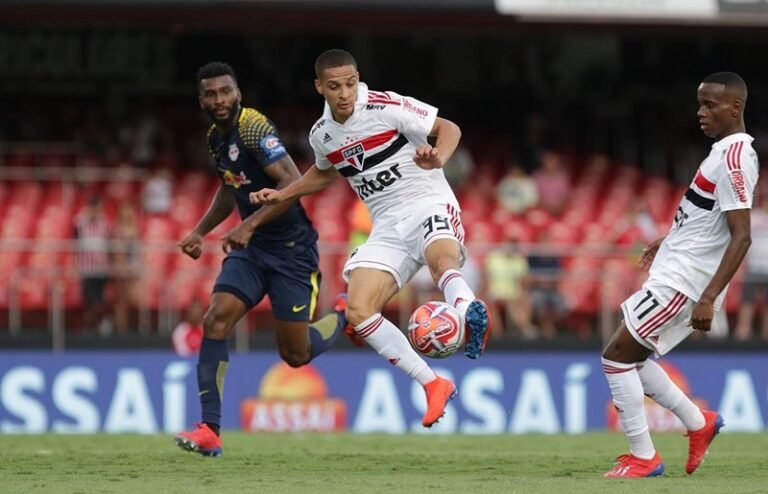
(265, 196)
(428, 158)
(192, 245)
(237, 238)
(701, 317)
(649, 253)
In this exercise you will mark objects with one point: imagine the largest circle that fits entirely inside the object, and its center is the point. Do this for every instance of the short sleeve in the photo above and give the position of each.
(321, 161)
(262, 140)
(735, 188)
(416, 118)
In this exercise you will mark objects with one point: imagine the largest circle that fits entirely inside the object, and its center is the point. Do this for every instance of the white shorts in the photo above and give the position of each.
(658, 316)
(397, 245)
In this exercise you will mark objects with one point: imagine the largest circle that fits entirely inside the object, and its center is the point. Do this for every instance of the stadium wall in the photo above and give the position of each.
(504, 393)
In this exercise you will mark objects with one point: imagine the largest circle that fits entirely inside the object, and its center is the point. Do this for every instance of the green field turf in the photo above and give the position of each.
(313, 464)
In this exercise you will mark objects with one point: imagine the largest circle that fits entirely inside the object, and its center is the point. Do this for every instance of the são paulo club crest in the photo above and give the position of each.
(355, 156)
(234, 152)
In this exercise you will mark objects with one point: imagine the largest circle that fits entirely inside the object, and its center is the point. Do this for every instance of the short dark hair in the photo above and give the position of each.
(730, 80)
(215, 69)
(333, 58)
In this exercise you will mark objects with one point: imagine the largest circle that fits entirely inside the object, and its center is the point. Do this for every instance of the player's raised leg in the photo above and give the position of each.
(369, 289)
(702, 425)
(443, 257)
(619, 360)
(224, 311)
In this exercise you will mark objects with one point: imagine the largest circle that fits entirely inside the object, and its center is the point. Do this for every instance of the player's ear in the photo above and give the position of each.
(736, 108)
(318, 86)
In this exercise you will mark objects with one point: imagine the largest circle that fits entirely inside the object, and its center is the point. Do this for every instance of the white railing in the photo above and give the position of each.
(162, 315)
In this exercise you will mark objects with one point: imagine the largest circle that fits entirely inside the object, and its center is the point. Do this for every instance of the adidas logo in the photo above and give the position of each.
(327, 138)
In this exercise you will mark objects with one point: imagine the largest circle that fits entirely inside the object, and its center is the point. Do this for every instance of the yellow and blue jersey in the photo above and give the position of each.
(241, 157)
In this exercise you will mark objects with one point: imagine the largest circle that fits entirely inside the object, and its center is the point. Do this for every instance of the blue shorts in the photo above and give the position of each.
(291, 280)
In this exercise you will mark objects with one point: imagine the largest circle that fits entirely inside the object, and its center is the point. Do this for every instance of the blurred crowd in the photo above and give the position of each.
(573, 157)
(520, 262)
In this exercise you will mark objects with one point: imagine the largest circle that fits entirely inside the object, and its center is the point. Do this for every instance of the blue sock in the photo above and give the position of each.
(211, 369)
(323, 333)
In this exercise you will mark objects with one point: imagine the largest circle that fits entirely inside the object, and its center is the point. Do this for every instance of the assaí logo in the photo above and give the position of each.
(293, 400)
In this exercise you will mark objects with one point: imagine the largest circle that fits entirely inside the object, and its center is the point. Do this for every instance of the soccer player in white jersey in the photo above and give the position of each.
(378, 141)
(690, 271)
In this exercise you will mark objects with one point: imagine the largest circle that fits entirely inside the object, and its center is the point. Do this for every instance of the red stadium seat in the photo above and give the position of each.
(148, 295)
(34, 292)
(480, 231)
(73, 295)
(562, 233)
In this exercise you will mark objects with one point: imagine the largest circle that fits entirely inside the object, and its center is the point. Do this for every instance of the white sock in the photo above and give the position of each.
(391, 343)
(659, 387)
(627, 392)
(455, 290)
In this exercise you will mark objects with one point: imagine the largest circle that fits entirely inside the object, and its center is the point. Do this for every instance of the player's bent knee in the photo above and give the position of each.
(216, 326)
(609, 353)
(295, 359)
(356, 315)
(439, 266)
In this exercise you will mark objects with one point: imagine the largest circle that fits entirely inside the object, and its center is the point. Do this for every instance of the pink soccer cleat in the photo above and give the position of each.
(629, 466)
(699, 441)
(439, 392)
(201, 440)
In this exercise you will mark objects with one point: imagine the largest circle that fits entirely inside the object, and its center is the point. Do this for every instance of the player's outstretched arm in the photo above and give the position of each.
(222, 205)
(284, 173)
(448, 135)
(312, 181)
(739, 225)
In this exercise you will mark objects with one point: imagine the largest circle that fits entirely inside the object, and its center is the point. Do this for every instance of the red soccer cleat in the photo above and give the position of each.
(628, 466)
(439, 392)
(341, 306)
(699, 441)
(202, 440)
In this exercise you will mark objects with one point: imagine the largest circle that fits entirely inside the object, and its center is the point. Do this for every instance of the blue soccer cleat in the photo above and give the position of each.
(478, 325)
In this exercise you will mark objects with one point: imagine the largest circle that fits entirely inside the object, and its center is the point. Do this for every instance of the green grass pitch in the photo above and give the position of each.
(341, 463)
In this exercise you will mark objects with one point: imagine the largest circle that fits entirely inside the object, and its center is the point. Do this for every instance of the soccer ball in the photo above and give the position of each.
(435, 330)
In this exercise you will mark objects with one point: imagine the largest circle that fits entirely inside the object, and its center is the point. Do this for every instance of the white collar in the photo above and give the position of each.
(728, 140)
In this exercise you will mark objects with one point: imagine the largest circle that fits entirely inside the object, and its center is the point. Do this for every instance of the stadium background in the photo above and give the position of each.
(98, 96)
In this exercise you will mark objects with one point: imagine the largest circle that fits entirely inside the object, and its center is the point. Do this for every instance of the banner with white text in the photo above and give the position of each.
(502, 393)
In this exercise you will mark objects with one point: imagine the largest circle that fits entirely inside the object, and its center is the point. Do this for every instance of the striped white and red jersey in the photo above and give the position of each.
(92, 243)
(692, 251)
(374, 150)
